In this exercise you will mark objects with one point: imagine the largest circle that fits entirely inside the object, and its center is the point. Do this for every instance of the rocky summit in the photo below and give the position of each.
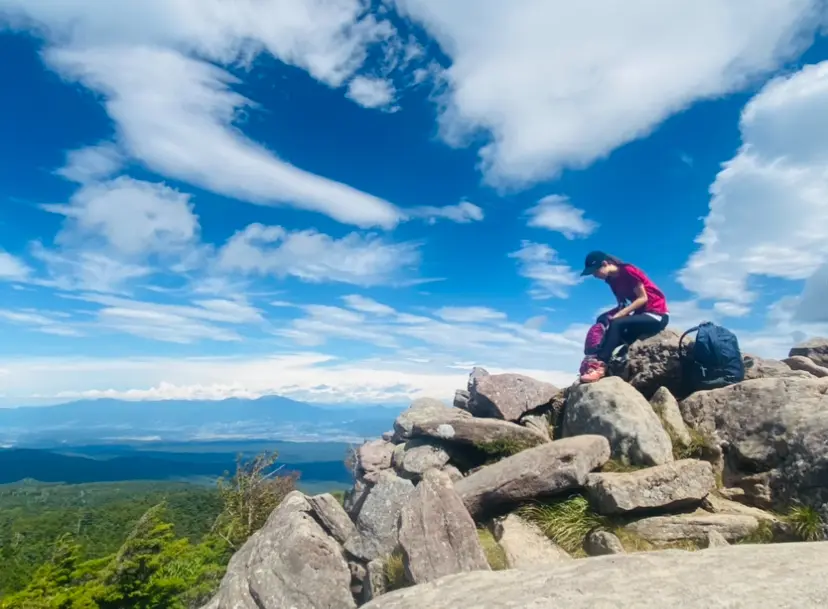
(621, 493)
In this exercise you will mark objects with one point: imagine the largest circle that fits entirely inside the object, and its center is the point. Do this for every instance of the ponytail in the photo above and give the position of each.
(614, 260)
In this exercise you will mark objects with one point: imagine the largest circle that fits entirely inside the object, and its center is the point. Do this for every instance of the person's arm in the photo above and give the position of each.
(640, 300)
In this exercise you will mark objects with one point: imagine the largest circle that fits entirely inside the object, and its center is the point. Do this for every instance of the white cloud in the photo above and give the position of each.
(469, 314)
(92, 163)
(462, 213)
(731, 309)
(367, 305)
(175, 115)
(204, 319)
(371, 92)
(556, 213)
(769, 206)
(813, 305)
(447, 335)
(557, 86)
(40, 322)
(551, 277)
(312, 256)
(87, 270)
(12, 268)
(134, 218)
(328, 38)
(354, 381)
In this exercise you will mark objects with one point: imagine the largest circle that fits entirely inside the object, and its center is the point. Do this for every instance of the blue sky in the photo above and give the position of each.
(346, 200)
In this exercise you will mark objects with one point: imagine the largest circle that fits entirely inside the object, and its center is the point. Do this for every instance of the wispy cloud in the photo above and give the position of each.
(462, 213)
(371, 92)
(12, 268)
(312, 256)
(550, 276)
(556, 213)
(47, 323)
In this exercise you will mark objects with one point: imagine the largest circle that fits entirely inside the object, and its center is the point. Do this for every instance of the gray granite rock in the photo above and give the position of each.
(778, 576)
(437, 535)
(544, 471)
(377, 522)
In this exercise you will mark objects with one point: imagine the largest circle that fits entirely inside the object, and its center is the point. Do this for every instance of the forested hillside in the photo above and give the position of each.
(128, 545)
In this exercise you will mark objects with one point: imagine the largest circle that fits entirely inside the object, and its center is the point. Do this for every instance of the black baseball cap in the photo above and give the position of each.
(593, 262)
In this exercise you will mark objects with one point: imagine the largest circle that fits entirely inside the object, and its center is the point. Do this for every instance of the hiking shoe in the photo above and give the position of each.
(596, 374)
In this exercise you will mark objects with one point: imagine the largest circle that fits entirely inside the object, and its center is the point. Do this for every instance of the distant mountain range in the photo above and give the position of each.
(318, 463)
(118, 421)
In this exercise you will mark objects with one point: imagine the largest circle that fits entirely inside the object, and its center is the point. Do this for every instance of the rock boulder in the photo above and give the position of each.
(524, 545)
(290, 562)
(800, 362)
(815, 349)
(332, 516)
(615, 410)
(543, 471)
(670, 486)
(418, 455)
(437, 535)
(376, 523)
(481, 433)
(602, 543)
(789, 576)
(653, 363)
(694, 527)
(774, 432)
(374, 457)
(422, 408)
(667, 408)
(508, 396)
(760, 368)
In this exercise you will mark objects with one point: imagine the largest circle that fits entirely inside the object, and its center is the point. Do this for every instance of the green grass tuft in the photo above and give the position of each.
(701, 445)
(395, 577)
(619, 466)
(763, 534)
(495, 555)
(502, 448)
(566, 522)
(806, 522)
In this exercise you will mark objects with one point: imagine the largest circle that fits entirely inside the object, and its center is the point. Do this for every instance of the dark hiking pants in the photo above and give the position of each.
(628, 329)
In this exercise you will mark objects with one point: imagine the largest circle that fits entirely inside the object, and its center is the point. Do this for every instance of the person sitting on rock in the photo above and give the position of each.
(642, 307)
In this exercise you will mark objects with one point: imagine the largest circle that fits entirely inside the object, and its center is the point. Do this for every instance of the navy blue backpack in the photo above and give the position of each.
(713, 361)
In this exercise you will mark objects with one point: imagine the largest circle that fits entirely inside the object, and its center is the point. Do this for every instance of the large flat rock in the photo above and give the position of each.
(437, 535)
(422, 409)
(694, 527)
(615, 410)
(778, 576)
(543, 471)
(670, 486)
(508, 396)
(477, 432)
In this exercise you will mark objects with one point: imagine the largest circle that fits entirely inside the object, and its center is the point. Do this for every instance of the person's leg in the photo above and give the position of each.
(627, 329)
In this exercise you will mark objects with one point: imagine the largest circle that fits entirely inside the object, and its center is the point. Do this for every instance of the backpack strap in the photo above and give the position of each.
(681, 340)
